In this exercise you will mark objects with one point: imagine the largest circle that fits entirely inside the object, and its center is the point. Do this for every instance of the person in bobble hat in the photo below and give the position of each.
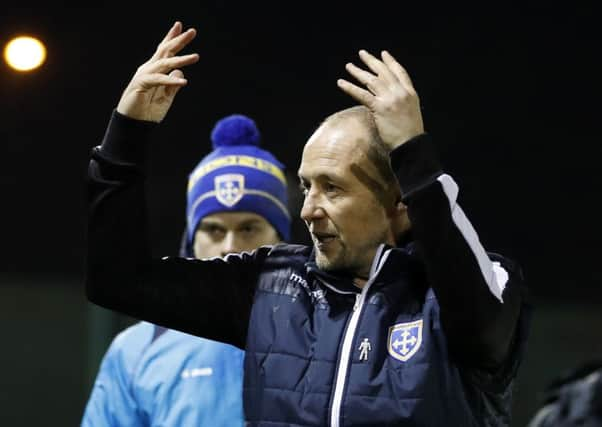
(236, 201)
(238, 176)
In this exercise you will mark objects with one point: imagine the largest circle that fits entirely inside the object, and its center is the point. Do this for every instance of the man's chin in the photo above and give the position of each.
(326, 263)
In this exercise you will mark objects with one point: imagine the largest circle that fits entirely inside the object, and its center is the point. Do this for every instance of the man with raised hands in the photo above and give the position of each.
(396, 315)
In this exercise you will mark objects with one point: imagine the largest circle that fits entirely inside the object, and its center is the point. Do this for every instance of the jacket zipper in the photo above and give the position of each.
(346, 351)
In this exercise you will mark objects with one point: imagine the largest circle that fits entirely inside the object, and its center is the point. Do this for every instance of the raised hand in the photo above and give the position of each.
(151, 91)
(388, 92)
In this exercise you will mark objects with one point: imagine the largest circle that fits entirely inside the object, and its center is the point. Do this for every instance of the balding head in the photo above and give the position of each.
(383, 183)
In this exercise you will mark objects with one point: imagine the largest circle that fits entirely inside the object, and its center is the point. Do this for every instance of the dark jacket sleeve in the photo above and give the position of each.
(209, 298)
(479, 293)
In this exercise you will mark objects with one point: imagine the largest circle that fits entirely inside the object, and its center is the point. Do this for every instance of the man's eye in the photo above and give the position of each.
(304, 189)
(330, 188)
(249, 229)
(213, 231)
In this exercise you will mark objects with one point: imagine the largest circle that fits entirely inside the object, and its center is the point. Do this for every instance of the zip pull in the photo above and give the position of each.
(357, 301)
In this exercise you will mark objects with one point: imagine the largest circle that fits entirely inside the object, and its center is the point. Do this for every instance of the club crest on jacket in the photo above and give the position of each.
(404, 340)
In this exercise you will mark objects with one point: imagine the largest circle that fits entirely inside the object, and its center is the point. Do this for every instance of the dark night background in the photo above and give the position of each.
(509, 93)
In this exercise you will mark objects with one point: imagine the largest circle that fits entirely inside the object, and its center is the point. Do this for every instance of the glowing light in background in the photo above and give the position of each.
(24, 53)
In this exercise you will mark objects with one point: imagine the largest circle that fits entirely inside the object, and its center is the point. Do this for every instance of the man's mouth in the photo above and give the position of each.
(323, 238)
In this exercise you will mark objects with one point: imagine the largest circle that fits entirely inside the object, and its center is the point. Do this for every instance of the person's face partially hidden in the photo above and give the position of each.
(222, 233)
(343, 209)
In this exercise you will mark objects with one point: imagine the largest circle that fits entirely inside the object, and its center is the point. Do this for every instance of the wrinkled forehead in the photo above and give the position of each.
(343, 150)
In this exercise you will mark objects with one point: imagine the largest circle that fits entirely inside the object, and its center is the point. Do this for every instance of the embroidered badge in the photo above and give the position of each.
(364, 349)
(405, 340)
(229, 188)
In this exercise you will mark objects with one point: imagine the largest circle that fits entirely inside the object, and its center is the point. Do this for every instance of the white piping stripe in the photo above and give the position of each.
(198, 202)
(272, 198)
(494, 274)
(338, 291)
(337, 400)
(381, 260)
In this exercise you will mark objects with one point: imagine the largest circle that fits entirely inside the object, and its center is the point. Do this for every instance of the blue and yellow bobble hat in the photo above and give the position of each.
(238, 176)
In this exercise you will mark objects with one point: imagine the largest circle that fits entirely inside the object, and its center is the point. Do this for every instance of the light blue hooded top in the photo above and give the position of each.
(152, 376)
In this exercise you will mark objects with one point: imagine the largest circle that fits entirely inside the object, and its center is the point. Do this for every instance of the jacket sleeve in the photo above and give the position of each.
(111, 402)
(209, 298)
(479, 294)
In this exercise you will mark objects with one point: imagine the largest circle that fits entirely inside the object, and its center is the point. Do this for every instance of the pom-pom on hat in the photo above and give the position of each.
(234, 130)
(238, 176)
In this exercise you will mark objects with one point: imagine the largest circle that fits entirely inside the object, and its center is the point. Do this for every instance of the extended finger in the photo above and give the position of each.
(372, 82)
(173, 89)
(361, 95)
(158, 79)
(165, 65)
(377, 66)
(398, 70)
(175, 29)
(173, 46)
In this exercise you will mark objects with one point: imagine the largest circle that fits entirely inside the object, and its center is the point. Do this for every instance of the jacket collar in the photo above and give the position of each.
(388, 262)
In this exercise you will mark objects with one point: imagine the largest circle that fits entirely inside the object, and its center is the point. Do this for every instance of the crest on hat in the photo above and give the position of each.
(405, 340)
(229, 188)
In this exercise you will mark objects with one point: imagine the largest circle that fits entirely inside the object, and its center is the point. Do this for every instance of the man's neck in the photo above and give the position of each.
(360, 282)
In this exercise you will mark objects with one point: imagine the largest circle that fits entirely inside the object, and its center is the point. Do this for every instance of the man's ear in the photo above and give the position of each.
(400, 207)
(400, 220)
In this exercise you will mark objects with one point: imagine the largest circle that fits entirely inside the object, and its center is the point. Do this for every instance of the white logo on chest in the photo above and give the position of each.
(297, 279)
(197, 372)
(364, 349)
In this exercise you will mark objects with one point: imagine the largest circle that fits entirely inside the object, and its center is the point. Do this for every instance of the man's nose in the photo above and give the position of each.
(312, 209)
(230, 244)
